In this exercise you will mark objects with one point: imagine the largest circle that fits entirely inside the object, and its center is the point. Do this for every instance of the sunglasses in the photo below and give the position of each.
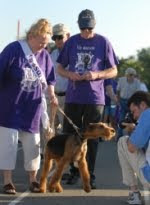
(57, 37)
(90, 29)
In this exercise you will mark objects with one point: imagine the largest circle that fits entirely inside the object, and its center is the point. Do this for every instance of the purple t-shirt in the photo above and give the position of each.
(83, 55)
(20, 90)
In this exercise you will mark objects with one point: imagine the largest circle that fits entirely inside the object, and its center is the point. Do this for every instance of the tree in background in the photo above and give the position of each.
(144, 58)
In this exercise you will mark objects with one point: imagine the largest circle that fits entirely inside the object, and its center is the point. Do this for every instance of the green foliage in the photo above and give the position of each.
(144, 59)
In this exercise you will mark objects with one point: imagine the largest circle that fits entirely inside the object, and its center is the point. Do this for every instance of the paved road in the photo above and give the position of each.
(110, 190)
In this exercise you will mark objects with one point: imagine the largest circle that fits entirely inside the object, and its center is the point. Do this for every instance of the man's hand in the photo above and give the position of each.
(129, 127)
(132, 148)
(90, 75)
(74, 76)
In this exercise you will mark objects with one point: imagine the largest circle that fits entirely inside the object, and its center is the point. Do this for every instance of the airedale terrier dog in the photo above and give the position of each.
(66, 148)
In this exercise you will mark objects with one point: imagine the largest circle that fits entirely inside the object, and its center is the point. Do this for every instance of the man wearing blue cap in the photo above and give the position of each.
(90, 59)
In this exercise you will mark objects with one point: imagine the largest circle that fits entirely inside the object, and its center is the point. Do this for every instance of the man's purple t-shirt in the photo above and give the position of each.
(83, 55)
(20, 90)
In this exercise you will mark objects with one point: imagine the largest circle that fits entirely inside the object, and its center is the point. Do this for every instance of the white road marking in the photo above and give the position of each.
(18, 199)
(26, 193)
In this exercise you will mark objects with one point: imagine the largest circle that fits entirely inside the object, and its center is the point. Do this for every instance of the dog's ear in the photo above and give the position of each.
(87, 128)
(82, 130)
(90, 126)
(96, 125)
(93, 126)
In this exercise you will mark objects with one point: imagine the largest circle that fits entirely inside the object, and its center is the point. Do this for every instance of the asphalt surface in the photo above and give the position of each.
(110, 190)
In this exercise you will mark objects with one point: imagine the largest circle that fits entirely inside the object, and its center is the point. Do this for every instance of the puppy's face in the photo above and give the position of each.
(95, 130)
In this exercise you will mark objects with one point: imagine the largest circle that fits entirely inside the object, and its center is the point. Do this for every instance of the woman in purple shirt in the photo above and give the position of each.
(21, 91)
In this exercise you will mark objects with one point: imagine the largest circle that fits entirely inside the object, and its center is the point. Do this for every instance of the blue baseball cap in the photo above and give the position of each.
(86, 19)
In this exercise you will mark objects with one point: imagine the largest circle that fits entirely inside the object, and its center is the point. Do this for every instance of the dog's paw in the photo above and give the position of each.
(51, 189)
(58, 189)
(42, 189)
(87, 189)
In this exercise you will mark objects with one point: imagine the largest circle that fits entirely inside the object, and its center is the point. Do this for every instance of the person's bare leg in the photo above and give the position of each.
(7, 176)
(134, 188)
(34, 185)
(32, 176)
(8, 188)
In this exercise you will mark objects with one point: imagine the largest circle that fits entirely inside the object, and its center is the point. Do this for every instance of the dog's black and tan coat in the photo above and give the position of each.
(66, 148)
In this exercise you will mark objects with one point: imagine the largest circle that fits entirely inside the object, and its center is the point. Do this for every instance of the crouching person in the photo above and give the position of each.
(134, 150)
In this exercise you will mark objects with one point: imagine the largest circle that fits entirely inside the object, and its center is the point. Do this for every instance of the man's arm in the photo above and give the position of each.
(111, 94)
(132, 148)
(90, 75)
(68, 74)
(129, 127)
(108, 73)
(61, 71)
(104, 74)
(140, 136)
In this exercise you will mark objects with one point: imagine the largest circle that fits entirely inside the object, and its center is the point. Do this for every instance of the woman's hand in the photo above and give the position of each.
(53, 100)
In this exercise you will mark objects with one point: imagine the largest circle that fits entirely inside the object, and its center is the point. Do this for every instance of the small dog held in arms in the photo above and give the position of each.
(66, 148)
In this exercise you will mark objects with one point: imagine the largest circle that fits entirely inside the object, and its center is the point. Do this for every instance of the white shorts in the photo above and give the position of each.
(9, 145)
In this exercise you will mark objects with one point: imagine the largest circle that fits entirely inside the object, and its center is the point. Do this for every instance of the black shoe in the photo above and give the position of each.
(72, 179)
(93, 184)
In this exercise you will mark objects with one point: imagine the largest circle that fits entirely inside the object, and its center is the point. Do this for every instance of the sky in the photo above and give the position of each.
(126, 23)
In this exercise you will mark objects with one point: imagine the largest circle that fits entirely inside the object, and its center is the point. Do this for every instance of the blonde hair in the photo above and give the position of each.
(40, 28)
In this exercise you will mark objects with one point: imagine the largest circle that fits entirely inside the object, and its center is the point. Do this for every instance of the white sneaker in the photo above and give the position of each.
(134, 198)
